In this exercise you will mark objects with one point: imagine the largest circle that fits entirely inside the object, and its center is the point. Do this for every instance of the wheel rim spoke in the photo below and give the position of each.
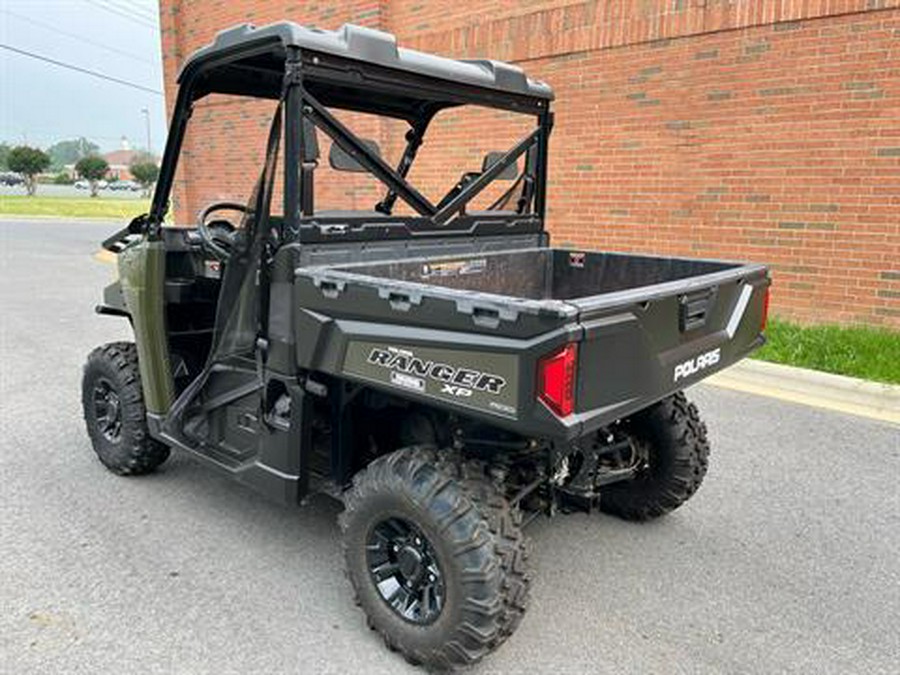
(107, 410)
(405, 571)
(385, 570)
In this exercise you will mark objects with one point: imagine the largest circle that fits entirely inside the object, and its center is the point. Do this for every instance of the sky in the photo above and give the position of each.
(41, 103)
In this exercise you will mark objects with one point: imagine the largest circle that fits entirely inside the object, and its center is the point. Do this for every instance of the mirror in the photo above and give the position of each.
(341, 161)
(509, 173)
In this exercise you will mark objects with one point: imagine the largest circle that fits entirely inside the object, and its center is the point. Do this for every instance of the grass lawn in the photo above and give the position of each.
(868, 353)
(72, 207)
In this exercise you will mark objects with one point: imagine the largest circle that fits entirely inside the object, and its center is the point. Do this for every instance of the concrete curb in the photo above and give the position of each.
(105, 257)
(823, 390)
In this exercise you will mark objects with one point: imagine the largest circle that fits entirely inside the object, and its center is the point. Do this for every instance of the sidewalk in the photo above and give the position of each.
(822, 390)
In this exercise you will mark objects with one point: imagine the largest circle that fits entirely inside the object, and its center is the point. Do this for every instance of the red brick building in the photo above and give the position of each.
(120, 162)
(765, 130)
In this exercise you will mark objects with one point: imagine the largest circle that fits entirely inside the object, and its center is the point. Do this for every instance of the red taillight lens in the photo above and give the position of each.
(765, 313)
(556, 380)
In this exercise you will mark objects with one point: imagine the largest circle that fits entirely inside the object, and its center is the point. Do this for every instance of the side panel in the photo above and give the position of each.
(472, 379)
(491, 378)
(142, 270)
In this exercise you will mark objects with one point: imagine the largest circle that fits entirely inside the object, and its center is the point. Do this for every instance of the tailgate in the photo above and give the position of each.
(641, 345)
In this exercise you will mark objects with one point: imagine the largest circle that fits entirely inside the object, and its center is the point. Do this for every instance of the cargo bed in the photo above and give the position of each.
(543, 274)
(644, 326)
(545, 281)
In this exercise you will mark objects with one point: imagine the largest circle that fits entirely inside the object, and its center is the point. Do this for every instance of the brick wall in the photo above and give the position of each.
(762, 130)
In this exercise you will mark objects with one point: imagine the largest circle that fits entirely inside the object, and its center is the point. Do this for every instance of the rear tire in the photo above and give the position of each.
(471, 545)
(672, 439)
(113, 403)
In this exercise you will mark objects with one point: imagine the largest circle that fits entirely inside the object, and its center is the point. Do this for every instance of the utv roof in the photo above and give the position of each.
(263, 50)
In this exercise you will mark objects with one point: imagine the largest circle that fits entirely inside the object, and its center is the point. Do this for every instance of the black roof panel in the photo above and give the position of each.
(374, 46)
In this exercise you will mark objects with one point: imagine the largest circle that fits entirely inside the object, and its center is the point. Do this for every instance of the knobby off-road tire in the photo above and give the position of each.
(506, 524)
(474, 537)
(673, 440)
(114, 412)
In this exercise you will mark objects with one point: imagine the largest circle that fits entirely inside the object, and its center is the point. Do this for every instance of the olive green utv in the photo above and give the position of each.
(439, 368)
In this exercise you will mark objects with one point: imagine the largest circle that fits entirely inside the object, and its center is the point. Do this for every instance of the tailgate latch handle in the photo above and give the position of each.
(694, 308)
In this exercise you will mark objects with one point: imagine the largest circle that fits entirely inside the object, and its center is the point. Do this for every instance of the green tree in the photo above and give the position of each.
(29, 162)
(92, 169)
(69, 152)
(4, 155)
(145, 173)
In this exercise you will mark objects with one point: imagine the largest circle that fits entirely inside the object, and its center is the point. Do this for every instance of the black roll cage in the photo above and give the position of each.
(309, 83)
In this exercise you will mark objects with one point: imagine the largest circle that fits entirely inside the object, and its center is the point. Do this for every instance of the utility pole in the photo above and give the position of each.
(146, 113)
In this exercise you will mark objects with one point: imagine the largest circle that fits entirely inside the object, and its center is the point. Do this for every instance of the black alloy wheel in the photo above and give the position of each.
(405, 570)
(107, 411)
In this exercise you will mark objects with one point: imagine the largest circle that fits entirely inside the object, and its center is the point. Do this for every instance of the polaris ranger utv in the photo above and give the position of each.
(444, 372)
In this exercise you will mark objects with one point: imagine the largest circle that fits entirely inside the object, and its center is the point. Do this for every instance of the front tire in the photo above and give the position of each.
(671, 439)
(435, 555)
(113, 403)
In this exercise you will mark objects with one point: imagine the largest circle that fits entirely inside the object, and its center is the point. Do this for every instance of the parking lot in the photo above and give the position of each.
(786, 561)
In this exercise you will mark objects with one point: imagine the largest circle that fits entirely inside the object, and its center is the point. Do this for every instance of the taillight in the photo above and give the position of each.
(556, 380)
(765, 312)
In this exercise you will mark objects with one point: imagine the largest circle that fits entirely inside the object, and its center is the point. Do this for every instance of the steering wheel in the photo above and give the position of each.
(218, 235)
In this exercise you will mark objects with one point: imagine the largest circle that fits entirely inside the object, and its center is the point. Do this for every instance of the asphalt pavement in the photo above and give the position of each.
(787, 560)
